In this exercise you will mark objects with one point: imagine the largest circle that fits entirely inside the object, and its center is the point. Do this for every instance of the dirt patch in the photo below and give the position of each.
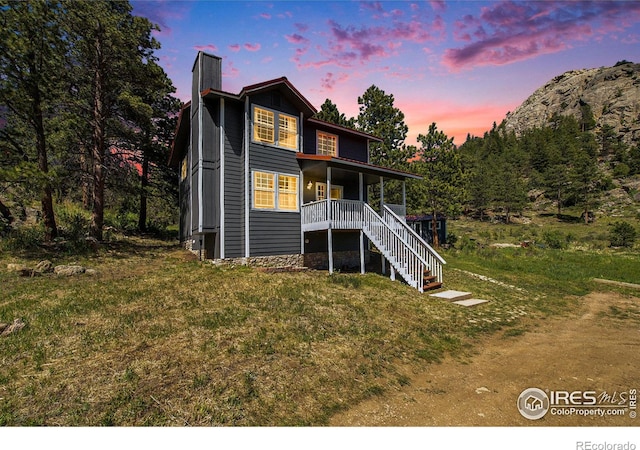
(594, 348)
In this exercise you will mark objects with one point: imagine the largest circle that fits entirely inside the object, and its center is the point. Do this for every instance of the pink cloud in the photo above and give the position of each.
(301, 27)
(229, 70)
(295, 38)
(234, 47)
(162, 12)
(349, 46)
(266, 16)
(205, 48)
(252, 47)
(330, 79)
(438, 5)
(372, 6)
(510, 31)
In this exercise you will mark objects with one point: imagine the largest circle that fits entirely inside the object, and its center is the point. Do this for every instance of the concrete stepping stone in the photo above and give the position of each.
(470, 302)
(453, 296)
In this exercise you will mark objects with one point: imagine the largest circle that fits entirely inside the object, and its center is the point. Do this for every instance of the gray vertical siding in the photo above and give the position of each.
(210, 166)
(350, 147)
(234, 180)
(273, 232)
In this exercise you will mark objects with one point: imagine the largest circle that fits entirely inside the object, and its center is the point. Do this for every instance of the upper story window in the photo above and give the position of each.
(327, 144)
(275, 128)
(263, 126)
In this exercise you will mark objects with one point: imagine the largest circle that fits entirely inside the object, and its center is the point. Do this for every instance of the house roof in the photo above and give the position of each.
(336, 127)
(281, 84)
(309, 160)
(181, 135)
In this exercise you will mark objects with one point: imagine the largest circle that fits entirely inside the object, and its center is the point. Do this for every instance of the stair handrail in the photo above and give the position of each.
(411, 270)
(415, 235)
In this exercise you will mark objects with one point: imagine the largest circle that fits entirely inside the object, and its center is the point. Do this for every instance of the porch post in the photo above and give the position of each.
(361, 198)
(329, 234)
(404, 197)
(382, 261)
(300, 203)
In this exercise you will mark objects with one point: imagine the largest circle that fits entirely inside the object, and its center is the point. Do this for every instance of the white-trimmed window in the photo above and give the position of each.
(287, 192)
(275, 191)
(275, 128)
(337, 192)
(263, 125)
(264, 194)
(288, 131)
(327, 144)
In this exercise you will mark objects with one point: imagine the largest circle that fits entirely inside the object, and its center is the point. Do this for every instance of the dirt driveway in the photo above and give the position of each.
(595, 349)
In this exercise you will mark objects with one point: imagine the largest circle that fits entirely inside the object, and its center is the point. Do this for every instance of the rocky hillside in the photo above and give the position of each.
(608, 95)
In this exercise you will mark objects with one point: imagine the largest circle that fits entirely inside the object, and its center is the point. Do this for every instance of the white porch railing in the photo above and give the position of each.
(407, 253)
(399, 210)
(413, 239)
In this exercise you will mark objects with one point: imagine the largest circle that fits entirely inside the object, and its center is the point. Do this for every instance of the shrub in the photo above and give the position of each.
(621, 170)
(554, 239)
(622, 234)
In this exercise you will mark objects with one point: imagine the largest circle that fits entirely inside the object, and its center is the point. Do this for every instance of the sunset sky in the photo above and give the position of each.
(461, 64)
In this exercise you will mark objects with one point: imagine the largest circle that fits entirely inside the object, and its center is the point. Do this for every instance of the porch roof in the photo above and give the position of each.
(372, 172)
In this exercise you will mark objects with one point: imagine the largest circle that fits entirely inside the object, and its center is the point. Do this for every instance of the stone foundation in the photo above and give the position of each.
(275, 261)
(341, 260)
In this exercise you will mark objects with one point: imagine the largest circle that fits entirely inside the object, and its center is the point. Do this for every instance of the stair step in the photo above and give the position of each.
(431, 286)
(429, 278)
(470, 302)
(453, 296)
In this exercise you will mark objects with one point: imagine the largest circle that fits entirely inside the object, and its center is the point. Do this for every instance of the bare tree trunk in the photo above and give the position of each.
(98, 150)
(86, 169)
(144, 183)
(46, 200)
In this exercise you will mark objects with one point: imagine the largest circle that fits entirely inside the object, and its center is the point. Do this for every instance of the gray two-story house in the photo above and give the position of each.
(264, 182)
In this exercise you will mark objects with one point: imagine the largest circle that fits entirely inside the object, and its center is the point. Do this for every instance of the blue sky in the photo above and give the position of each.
(461, 64)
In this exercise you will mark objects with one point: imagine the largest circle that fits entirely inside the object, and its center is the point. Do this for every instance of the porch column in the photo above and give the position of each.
(361, 198)
(382, 260)
(301, 202)
(404, 197)
(329, 235)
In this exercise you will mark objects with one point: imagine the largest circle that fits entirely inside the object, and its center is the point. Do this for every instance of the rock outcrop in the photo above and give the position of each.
(611, 95)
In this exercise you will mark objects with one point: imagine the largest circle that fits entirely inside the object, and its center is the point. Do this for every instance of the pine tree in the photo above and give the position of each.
(379, 117)
(441, 191)
(32, 52)
(329, 113)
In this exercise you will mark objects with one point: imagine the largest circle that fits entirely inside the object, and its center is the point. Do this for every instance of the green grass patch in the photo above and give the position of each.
(157, 338)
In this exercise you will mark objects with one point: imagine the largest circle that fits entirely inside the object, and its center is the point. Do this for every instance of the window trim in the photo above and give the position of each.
(276, 128)
(333, 186)
(337, 138)
(276, 191)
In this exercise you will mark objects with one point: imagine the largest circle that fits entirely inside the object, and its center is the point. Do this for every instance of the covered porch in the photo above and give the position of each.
(335, 199)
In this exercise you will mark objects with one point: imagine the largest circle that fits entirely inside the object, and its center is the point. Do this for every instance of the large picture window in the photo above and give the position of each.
(275, 128)
(267, 196)
(327, 144)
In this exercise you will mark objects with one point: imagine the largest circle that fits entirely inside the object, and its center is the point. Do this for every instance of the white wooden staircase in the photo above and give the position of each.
(408, 254)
